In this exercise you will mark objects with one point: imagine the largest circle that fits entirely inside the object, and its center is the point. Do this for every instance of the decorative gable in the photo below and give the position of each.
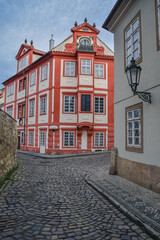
(23, 49)
(85, 27)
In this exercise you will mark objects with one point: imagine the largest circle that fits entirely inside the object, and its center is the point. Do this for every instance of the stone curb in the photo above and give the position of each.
(155, 235)
(62, 156)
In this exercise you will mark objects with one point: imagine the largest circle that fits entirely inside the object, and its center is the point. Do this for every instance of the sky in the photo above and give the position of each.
(37, 19)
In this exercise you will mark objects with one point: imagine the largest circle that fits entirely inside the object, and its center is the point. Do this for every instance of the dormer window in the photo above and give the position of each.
(23, 63)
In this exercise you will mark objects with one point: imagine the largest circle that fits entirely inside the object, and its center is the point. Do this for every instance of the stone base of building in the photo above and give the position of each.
(145, 175)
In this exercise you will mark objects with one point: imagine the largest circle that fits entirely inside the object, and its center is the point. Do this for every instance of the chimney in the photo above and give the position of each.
(51, 42)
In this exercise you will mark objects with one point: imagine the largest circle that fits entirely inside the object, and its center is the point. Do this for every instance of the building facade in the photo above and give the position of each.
(2, 97)
(63, 99)
(136, 28)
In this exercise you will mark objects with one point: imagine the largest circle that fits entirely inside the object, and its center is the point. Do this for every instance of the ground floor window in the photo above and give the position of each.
(134, 126)
(68, 139)
(99, 139)
(31, 138)
(22, 137)
(42, 139)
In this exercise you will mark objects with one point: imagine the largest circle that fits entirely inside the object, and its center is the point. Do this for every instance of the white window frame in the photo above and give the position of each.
(10, 90)
(42, 138)
(99, 70)
(43, 105)
(33, 78)
(23, 63)
(85, 66)
(132, 119)
(99, 103)
(69, 138)
(31, 107)
(69, 68)
(132, 43)
(69, 104)
(99, 139)
(31, 137)
(44, 73)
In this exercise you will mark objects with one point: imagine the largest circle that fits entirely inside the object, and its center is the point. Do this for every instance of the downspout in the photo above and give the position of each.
(25, 108)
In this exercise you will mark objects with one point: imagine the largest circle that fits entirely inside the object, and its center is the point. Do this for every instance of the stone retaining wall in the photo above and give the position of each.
(8, 144)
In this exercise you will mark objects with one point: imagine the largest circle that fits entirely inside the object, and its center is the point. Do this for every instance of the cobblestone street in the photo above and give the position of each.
(49, 199)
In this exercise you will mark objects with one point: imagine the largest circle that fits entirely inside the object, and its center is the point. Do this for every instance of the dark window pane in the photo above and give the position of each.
(85, 103)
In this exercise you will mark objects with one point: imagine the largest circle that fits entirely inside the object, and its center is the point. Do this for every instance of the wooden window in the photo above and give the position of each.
(99, 104)
(85, 103)
(42, 138)
(157, 9)
(31, 107)
(99, 139)
(134, 128)
(99, 70)
(44, 73)
(85, 66)
(10, 90)
(132, 40)
(68, 139)
(23, 63)
(21, 110)
(22, 84)
(10, 110)
(43, 105)
(69, 104)
(31, 138)
(33, 78)
(69, 68)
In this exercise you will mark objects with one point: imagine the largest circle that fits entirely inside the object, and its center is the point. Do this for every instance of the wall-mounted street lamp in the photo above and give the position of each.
(20, 121)
(133, 73)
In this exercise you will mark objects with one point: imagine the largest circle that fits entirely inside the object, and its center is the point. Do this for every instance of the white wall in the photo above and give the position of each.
(150, 80)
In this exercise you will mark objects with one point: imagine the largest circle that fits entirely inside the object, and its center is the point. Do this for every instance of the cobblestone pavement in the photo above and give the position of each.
(49, 199)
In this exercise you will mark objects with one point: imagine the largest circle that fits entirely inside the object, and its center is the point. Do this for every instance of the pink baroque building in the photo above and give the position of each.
(63, 99)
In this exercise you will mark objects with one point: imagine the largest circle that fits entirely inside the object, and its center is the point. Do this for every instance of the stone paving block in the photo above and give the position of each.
(54, 202)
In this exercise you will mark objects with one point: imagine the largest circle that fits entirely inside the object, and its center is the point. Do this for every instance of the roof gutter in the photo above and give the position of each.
(113, 11)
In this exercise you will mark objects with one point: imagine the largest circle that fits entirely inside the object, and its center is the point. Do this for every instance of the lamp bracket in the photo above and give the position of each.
(145, 96)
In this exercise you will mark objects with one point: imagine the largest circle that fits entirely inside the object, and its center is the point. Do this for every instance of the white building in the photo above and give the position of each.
(136, 28)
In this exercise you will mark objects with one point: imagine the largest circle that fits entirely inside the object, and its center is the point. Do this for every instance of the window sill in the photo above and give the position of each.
(42, 80)
(134, 149)
(42, 113)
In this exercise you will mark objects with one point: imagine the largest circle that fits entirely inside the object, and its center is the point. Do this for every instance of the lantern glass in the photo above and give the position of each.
(133, 75)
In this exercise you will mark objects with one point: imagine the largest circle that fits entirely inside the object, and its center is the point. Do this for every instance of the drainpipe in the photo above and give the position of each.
(25, 108)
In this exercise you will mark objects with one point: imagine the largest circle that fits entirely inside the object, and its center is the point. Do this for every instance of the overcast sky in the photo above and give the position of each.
(37, 19)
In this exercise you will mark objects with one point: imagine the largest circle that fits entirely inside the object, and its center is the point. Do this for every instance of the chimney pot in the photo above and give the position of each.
(51, 42)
